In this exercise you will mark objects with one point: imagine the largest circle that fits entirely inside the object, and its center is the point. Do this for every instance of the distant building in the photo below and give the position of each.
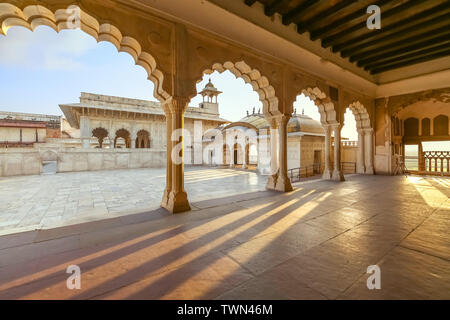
(24, 129)
(306, 143)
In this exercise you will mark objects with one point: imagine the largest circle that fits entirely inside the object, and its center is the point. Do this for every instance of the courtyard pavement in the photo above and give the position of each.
(313, 243)
(51, 200)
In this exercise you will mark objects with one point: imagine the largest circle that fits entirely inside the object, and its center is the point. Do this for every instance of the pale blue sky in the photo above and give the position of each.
(42, 69)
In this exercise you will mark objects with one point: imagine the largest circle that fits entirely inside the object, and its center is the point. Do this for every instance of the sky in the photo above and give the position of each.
(42, 69)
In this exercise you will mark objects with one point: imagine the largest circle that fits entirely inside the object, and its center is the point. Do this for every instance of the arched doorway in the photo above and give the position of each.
(313, 103)
(360, 117)
(100, 134)
(122, 139)
(143, 140)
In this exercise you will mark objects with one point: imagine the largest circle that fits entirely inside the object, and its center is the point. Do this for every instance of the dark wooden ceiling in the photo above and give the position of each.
(412, 31)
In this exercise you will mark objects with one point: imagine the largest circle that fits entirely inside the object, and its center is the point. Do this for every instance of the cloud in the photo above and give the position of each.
(44, 49)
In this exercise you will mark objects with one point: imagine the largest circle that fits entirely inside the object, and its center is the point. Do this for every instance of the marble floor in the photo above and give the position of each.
(313, 243)
(51, 200)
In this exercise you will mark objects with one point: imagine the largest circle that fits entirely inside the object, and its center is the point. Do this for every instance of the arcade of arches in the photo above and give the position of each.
(312, 241)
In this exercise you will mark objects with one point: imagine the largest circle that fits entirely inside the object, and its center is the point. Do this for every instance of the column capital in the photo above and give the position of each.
(176, 104)
(361, 131)
(282, 120)
(335, 126)
(368, 130)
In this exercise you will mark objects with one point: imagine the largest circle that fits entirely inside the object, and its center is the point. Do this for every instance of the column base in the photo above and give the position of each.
(177, 202)
(369, 170)
(283, 184)
(165, 198)
(326, 174)
(361, 170)
(338, 176)
(272, 182)
(244, 166)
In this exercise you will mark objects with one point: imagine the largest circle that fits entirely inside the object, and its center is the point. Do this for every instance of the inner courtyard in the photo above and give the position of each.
(226, 150)
(45, 201)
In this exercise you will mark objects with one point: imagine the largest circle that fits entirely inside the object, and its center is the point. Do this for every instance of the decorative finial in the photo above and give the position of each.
(253, 110)
(247, 113)
(303, 112)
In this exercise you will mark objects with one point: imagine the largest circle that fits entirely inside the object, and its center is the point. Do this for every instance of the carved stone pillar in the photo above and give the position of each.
(360, 166)
(271, 183)
(111, 142)
(369, 151)
(283, 183)
(232, 155)
(326, 172)
(168, 188)
(338, 175)
(178, 201)
(421, 158)
(133, 141)
(85, 132)
(244, 160)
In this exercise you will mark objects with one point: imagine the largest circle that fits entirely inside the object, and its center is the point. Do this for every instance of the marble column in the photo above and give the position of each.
(337, 175)
(244, 160)
(178, 201)
(326, 172)
(421, 158)
(168, 188)
(360, 165)
(369, 151)
(271, 183)
(133, 141)
(85, 132)
(283, 182)
(232, 155)
(111, 142)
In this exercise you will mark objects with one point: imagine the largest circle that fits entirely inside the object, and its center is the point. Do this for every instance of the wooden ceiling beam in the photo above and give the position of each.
(407, 56)
(397, 52)
(269, 10)
(296, 14)
(403, 44)
(306, 25)
(249, 2)
(398, 26)
(329, 41)
(316, 34)
(396, 37)
(411, 62)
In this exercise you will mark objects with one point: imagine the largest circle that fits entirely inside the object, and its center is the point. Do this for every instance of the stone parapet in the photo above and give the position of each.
(75, 160)
(18, 162)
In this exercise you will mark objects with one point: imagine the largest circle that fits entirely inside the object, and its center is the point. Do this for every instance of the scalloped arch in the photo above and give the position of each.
(37, 15)
(361, 115)
(323, 103)
(259, 83)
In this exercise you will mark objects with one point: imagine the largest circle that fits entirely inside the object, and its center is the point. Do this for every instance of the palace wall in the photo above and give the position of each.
(75, 160)
(19, 162)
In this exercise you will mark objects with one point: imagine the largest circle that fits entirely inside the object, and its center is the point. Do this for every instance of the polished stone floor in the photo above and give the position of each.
(313, 243)
(34, 202)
